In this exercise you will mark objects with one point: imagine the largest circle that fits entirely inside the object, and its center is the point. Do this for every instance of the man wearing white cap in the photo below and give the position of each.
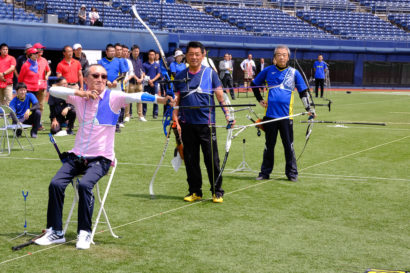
(21, 60)
(178, 65)
(80, 56)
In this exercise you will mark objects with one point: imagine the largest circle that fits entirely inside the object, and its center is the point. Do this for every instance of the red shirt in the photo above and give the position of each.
(5, 63)
(42, 68)
(69, 70)
(30, 78)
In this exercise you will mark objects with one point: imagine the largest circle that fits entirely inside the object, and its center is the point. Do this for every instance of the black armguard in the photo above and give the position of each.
(304, 96)
(256, 92)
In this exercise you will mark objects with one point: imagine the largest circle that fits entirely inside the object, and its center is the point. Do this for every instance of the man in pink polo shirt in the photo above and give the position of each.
(97, 110)
(7, 66)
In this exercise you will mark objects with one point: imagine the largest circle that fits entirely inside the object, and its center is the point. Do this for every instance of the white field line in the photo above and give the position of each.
(368, 127)
(355, 153)
(191, 204)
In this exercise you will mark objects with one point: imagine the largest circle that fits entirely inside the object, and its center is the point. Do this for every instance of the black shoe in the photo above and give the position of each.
(33, 135)
(18, 132)
(118, 130)
(70, 132)
(261, 177)
(293, 179)
(155, 117)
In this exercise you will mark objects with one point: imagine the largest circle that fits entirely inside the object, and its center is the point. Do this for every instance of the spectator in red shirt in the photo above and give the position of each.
(29, 72)
(70, 69)
(43, 72)
(7, 66)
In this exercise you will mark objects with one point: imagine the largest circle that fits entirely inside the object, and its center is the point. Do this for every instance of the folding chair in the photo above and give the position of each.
(13, 124)
(4, 132)
(102, 202)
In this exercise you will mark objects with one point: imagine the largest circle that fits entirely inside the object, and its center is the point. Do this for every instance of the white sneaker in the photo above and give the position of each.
(122, 125)
(142, 119)
(126, 119)
(61, 133)
(84, 240)
(50, 237)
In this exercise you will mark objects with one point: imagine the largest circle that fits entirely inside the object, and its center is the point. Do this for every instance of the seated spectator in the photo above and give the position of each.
(27, 108)
(94, 17)
(82, 16)
(61, 112)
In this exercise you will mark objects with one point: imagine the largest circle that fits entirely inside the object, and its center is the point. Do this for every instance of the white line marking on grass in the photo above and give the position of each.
(399, 113)
(344, 156)
(367, 127)
(358, 177)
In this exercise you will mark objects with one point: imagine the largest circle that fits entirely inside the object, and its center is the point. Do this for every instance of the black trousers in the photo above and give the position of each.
(152, 91)
(227, 82)
(285, 128)
(34, 120)
(71, 115)
(194, 137)
(321, 83)
(96, 168)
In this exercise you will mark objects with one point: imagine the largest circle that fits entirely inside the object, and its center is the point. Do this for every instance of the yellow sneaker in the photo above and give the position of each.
(192, 197)
(217, 199)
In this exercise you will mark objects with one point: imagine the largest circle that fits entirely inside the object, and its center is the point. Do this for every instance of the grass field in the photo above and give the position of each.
(349, 211)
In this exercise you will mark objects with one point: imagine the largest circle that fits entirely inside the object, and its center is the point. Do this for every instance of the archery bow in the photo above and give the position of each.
(167, 120)
(310, 126)
(229, 138)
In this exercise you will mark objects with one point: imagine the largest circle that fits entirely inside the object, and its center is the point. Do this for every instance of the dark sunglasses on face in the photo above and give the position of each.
(96, 76)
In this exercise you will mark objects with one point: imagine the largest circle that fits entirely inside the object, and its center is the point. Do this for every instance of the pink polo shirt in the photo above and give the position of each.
(93, 139)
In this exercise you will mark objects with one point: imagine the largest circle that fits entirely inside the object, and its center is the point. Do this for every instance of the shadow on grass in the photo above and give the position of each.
(157, 196)
(237, 177)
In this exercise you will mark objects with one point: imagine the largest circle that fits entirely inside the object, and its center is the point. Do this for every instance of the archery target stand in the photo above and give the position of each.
(243, 166)
(25, 233)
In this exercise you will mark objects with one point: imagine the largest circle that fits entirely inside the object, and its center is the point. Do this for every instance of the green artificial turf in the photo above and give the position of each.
(348, 212)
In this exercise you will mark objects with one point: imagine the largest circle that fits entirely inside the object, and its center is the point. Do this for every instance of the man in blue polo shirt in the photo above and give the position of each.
(282, 80)
(115, 68)
(27, 108)
(197, 126)
(320, 69)
(151, 69)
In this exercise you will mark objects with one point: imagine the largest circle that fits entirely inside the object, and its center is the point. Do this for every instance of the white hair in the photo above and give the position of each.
(280, 47)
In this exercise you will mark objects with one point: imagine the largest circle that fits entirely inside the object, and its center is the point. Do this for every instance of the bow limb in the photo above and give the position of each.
(312, 104)
(134, 10)
(164, 69)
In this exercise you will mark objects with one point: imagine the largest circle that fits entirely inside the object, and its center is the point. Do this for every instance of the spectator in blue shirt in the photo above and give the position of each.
(320, 69)
(153, 71)
(135, 84)
(27, 108)
(177, 66)
(115, 68)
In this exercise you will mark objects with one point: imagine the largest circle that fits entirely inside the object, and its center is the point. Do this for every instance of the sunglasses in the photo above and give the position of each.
(96, 76)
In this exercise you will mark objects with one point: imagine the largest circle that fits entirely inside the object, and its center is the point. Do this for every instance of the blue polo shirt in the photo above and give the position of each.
(151, 70)
(280, 94)
(20, 107)
(114, 67)
(210, 81)
(319, 69)
(124, 65)
(177, 67)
